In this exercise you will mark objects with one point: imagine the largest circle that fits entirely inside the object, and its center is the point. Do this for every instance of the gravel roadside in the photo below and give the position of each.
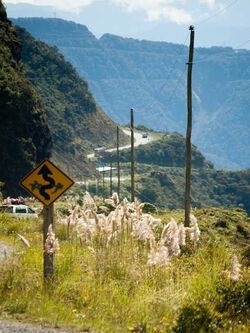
(9, 327)
(5, 250)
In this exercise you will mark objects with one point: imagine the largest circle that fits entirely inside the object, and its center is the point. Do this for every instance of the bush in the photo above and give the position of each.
(234, 298)
(197, 318)
(149, 208)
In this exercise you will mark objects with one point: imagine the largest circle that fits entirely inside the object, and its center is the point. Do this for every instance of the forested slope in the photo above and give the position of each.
(24, 135)
(76, 123)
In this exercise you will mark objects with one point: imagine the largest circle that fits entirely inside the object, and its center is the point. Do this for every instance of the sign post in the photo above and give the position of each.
(47, 183)
(48, 258)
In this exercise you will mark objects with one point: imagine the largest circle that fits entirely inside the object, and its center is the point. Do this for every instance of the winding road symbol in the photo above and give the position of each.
(46, 182)
(45, 172)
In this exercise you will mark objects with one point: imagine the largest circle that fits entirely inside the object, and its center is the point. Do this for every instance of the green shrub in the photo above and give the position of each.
(197, 318)
(234, 298)
(149, 208)
(246, 256)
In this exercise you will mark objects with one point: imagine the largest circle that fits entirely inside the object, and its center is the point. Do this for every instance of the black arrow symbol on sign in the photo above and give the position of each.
(45, 172)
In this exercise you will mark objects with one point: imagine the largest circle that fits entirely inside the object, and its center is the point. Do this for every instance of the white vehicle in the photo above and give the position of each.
(18, 211)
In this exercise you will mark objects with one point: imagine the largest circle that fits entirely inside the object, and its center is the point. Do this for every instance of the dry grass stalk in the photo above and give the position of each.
(234, 272)
(51, 243)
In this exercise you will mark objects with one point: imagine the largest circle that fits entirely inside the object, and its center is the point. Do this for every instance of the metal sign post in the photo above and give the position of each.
(47, 183)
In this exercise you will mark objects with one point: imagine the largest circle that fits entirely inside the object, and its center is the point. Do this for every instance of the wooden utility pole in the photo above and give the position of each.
(118, 161)
(189, 129)
(97, 186)
(132, 156)
(103, 182)
(111, 177)
(48, 258)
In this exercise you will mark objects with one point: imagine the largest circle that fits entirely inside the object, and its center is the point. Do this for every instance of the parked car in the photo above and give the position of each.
(145, 135)
(18, 211)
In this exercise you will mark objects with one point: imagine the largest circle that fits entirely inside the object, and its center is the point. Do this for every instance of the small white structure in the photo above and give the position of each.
(105, 169)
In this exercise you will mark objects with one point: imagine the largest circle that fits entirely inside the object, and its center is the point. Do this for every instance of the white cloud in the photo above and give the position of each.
(210, 3)
(158, 9)
(61, 4)
(177, 15)
(178, 11)
(145, 5)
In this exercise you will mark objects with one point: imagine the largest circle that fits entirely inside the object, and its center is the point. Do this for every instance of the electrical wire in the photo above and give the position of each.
(230, 4)
(170, 72)
(205, 59)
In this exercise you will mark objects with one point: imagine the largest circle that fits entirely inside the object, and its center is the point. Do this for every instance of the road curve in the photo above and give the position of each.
(139, 140)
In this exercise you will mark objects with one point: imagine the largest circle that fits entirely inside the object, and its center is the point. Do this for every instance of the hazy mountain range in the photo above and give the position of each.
(151, 78)
(229, 28)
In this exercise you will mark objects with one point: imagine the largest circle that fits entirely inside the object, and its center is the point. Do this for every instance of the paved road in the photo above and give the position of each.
(11, 327)
(139, 140)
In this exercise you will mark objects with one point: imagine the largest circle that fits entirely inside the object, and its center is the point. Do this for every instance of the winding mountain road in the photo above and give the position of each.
(139, 140)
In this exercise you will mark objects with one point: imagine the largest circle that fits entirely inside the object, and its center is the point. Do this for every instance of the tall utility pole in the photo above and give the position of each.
(97, 186)
(189, 129)
(132, 156)
(111, 177)
(103, 181)
(118, 161)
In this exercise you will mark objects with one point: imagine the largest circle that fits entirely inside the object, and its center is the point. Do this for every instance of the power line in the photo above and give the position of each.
(172, 68)
(169, 73)
(230, 4)
(205, 59)
(149, 200)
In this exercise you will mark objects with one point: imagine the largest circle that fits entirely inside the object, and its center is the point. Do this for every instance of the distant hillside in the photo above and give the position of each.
(77, 124)
(24, 135)
(151, 77)
(164, 187)
(167, 151)
(160, 177)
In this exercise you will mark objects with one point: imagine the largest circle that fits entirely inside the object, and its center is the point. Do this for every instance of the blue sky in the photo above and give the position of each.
(218, 22)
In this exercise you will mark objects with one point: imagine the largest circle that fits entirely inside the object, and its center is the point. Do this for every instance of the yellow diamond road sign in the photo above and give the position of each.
(46, 182)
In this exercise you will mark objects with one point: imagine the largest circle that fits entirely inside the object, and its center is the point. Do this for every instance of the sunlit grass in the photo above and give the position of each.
(112, 289)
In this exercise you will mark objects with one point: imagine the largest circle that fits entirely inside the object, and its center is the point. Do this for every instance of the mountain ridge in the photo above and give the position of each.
(150, 76)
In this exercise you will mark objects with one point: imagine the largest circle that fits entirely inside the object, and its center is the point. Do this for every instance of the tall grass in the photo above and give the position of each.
(109, 287)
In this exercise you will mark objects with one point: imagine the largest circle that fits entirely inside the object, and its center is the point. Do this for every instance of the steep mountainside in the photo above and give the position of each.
(77, 124)
(150, 76)
(24, 135)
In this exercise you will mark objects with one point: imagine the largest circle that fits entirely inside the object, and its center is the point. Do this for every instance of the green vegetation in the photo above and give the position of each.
(112, 289)
(150, 75)
(77, 124)
(210, 188)
(24, 135)
(169, 150)
(160, 177)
